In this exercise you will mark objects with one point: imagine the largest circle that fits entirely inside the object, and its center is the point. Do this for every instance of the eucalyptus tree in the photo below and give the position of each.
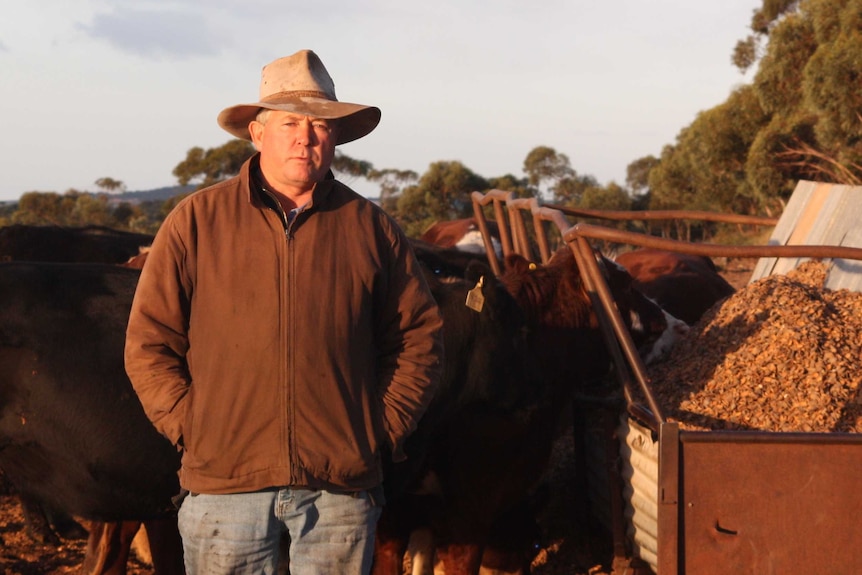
(110, 184)
(544, 165)
(800, 117)
(442, 193)
(207, 167)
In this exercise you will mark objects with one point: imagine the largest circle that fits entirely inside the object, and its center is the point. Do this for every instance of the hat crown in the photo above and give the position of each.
(300, 84)
(301, 74)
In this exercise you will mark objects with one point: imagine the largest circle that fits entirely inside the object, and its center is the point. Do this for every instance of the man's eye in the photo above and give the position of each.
(321, 126)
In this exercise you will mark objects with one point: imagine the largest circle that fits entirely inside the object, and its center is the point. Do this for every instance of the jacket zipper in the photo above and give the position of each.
(287, 389)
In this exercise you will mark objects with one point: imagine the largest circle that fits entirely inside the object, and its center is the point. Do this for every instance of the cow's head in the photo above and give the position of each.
(483, 330)
(565, 336)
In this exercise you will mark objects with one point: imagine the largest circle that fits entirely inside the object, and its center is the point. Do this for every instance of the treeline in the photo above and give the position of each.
(799, 119)
(76, 208)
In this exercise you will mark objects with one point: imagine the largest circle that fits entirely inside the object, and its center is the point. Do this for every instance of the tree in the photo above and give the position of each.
(391, 183)
(443, 193)
(832, 78)
(800, 118)
(213, 165)
(520, 187)
(110, 185)
(91, 210)
(346, 165)
(747, 50)
(347, 169)
(569, 190)
(544, 164)
(637, 174)
(39, 209)
(611, 197)
(73, 208)
(706, 168)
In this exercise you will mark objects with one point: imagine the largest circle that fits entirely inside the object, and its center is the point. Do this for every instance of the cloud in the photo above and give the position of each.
(155, 34)
(3, 47)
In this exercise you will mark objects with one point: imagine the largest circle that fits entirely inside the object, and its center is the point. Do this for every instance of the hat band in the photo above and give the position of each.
(297, 94)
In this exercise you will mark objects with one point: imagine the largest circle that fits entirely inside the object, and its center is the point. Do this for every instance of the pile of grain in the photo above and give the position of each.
(782, 354)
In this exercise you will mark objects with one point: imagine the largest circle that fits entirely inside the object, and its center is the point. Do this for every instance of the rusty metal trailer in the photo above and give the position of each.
(680, 502)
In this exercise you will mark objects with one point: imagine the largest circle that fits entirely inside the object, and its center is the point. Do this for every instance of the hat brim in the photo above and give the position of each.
(354, 120)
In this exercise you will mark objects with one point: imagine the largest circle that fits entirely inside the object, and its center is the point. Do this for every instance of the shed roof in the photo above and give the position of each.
(819, 214)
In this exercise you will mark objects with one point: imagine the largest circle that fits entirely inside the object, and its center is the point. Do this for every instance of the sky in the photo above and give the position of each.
(123, 89)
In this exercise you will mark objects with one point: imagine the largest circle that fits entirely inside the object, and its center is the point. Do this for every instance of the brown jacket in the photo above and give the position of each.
(282, 357)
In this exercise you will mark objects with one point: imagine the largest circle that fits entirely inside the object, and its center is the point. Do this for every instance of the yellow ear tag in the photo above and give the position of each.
(475, 297)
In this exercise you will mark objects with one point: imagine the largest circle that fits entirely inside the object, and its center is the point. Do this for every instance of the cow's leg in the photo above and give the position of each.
(503, 562)
(420, 548)
(108, 547)
(166, 546)
(67, 526)
(460, 558)
(390, 543)
(510, 548)
(36, 521)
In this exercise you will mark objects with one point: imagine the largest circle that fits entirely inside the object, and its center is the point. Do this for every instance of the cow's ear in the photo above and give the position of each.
(515, 263)
(477, 269)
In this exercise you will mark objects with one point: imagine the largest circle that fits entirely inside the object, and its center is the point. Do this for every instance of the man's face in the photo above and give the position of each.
(295, 150)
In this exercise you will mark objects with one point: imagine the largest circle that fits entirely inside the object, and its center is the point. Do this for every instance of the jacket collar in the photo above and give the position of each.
(252, 182)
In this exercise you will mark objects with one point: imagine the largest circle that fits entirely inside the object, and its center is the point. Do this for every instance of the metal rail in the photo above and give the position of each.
(809, 474)
(627, 361)
(610, 320)
(496, 198)
(653, 215)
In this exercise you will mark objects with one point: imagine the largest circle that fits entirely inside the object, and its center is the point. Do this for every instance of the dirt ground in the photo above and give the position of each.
(21, 555)
(564, 548)
(568, 545)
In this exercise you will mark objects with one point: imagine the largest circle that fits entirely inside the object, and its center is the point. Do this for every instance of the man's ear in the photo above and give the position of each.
(255, 129)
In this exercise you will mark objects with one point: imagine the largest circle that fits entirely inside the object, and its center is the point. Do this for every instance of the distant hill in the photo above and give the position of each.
(158, 194)
(154, 195)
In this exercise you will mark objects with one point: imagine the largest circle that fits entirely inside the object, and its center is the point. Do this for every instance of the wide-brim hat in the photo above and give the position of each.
(300, 84)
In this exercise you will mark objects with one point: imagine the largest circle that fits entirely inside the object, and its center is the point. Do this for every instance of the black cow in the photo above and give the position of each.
(483, 330)
(483, 460)
(685, 285)
(72, 432)
(445, 262)
(87, 244)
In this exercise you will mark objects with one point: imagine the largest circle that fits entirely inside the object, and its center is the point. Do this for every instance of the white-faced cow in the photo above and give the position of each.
(462, 234)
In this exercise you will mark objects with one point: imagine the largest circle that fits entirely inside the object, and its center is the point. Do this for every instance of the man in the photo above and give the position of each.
(283, 337)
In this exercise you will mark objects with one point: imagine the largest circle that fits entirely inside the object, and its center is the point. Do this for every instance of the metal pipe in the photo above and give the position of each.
(651, 215)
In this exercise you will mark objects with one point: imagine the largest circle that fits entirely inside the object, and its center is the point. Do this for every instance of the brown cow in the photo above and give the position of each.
(462, 234)
(685, 285)
(483, 463)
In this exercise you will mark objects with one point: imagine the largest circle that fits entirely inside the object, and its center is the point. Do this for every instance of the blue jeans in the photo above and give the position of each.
(330, 533)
